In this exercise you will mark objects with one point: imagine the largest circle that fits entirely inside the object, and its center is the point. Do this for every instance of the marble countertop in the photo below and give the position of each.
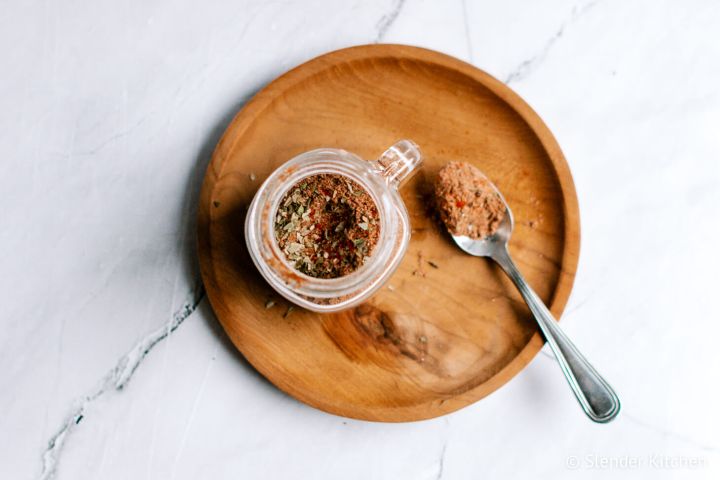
(112, 365)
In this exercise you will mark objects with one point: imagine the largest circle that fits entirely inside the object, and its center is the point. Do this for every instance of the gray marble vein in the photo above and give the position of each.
(527, 66)
(116, 380)
(387, 20)
(668, 433)
(441, 462)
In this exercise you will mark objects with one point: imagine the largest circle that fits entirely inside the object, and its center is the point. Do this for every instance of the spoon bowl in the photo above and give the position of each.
(488, 246)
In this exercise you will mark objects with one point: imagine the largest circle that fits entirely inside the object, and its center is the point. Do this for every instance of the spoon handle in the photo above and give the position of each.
(596, 397)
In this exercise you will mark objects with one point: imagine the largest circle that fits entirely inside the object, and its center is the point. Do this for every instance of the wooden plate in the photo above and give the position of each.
(432, 340)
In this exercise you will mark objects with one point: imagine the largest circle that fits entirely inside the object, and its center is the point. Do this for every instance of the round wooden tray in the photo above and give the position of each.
(447, 329)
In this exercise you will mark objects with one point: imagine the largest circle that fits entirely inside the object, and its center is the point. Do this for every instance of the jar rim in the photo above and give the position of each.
(273, 262)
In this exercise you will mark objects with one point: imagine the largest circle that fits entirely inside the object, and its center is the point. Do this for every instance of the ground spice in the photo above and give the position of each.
(467, 202)
(327, 225)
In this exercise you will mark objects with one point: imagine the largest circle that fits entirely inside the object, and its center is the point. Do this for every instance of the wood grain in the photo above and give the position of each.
(433, 339)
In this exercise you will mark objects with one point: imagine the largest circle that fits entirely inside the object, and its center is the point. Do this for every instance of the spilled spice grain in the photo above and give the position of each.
(327, 225)
(467, 202)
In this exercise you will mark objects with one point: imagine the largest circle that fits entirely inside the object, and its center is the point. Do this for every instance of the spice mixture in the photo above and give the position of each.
(327, 225)
(467, 202)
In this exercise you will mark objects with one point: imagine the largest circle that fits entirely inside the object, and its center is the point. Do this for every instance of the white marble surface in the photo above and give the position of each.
(112, 365)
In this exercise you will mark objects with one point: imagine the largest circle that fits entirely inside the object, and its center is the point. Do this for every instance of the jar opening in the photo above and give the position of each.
(327, 227)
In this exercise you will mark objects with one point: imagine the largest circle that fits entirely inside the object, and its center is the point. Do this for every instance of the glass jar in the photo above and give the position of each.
(381, 179)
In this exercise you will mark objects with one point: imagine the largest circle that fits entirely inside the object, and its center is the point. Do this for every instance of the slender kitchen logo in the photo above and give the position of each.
(634, 462)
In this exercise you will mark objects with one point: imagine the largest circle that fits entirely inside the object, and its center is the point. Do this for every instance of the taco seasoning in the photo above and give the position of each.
(467, 202)
(327, 226)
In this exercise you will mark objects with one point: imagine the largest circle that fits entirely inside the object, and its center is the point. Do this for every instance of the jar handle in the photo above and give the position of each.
(399, 162)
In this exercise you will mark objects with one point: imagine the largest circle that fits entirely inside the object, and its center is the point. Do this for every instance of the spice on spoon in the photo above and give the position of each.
(467, 202)
(327, 225)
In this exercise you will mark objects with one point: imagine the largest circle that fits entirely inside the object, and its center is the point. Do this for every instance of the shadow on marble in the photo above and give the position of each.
(217, 331)
(190, 264)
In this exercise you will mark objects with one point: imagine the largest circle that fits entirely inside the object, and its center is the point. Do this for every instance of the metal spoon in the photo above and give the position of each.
(595, 395)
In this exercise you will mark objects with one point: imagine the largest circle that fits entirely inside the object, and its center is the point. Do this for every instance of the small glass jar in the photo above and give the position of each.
(381, 179)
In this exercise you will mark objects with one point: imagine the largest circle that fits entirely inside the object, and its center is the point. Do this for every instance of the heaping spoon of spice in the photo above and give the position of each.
(480, 222)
